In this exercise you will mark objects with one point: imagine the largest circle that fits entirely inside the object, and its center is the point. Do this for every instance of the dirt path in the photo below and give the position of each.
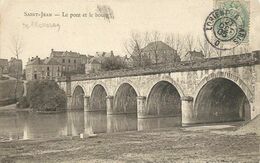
(165, 145)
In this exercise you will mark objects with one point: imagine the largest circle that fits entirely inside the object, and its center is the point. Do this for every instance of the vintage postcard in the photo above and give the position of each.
(129, 81)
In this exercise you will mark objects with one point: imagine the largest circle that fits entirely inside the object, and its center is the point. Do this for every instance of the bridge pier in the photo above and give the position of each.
(141, 100)
(187, 110)
(110, 101)
(87, 103)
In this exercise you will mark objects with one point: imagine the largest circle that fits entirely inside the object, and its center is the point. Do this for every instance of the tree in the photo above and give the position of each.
(154, 38)
(16, 48)
(134, 47)
(190, 43)
(175, 42)
(205, 47)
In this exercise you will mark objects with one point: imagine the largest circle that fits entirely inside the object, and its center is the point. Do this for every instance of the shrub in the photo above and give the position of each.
(45, 96)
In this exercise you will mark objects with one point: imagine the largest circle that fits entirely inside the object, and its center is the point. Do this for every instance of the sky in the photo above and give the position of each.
(88, 35)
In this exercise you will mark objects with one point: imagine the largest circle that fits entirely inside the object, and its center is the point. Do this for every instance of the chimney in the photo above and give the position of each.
(52, 50)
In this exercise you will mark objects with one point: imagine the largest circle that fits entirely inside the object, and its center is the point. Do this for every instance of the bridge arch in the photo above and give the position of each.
(169, 80)
(222, 97)
(125, 99)
(98, 98)
(225, 75)
(78, 95)
(132, 84)
(164, 99)
(79, 85)
(100, 83)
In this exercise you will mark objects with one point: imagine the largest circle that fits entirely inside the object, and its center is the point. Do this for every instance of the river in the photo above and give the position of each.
(21, 125)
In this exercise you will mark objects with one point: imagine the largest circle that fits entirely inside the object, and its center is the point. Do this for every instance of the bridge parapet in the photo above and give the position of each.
(231, 61)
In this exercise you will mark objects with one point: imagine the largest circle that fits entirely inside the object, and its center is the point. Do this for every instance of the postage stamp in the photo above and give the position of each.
(228, 26)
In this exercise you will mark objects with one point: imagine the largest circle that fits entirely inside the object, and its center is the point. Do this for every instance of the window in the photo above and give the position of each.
(69, 60)
(48, 73)
(48, 68)
(35, 76)
(58, 68)
(74, 60)
(63, 60)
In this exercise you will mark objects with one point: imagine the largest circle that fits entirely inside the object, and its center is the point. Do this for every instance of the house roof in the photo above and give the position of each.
(46, 61)
(159, 46)
(50, 61)
(194, 53)
(3, 61)
(65, 53)
(35, 61)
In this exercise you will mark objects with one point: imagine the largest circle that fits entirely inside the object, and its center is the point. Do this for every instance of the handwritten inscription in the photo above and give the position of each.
(36, 24)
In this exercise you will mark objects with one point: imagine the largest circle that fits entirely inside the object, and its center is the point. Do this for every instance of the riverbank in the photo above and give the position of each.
(177, 144)
(12, 108)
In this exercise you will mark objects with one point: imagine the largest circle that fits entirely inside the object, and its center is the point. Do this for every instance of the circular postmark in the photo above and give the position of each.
(224, 29)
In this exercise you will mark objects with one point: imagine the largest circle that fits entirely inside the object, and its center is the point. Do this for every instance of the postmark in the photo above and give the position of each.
(225, 29)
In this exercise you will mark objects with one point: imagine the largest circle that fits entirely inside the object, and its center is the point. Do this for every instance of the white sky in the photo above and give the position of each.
(86, 35)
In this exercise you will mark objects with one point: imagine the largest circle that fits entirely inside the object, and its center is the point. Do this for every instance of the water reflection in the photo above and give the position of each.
(95, 122)
(154, 123)
(119, 123)
(30, 125)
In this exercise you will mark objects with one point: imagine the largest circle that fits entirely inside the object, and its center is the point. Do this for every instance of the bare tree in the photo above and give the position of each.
(175, 42)
(190, 43)
(155, 37)
(134, 47)
(16, 46)
(16, 49)
(205, 47)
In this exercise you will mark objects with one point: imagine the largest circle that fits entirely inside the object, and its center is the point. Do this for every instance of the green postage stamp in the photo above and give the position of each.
(228, 25)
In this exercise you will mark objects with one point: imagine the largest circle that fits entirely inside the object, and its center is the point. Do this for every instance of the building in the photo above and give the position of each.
(3, 66)
(15, 67)
(72, 62)
(193, 56)
(159, 52)
(93, 66)
(40, 69)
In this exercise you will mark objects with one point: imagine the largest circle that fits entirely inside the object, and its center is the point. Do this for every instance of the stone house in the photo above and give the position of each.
(72, 62)
(40, 69)
(159, 52)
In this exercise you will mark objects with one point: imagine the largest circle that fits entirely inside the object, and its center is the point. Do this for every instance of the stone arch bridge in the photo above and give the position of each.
(212, 90)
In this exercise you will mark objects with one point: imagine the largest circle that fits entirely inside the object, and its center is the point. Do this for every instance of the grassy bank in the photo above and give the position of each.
(8, 94)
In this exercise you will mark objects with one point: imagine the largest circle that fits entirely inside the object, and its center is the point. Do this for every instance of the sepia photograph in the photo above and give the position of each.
(120, 81)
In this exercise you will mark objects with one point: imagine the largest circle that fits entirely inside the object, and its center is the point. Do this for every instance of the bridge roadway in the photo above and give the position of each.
(211, 90)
